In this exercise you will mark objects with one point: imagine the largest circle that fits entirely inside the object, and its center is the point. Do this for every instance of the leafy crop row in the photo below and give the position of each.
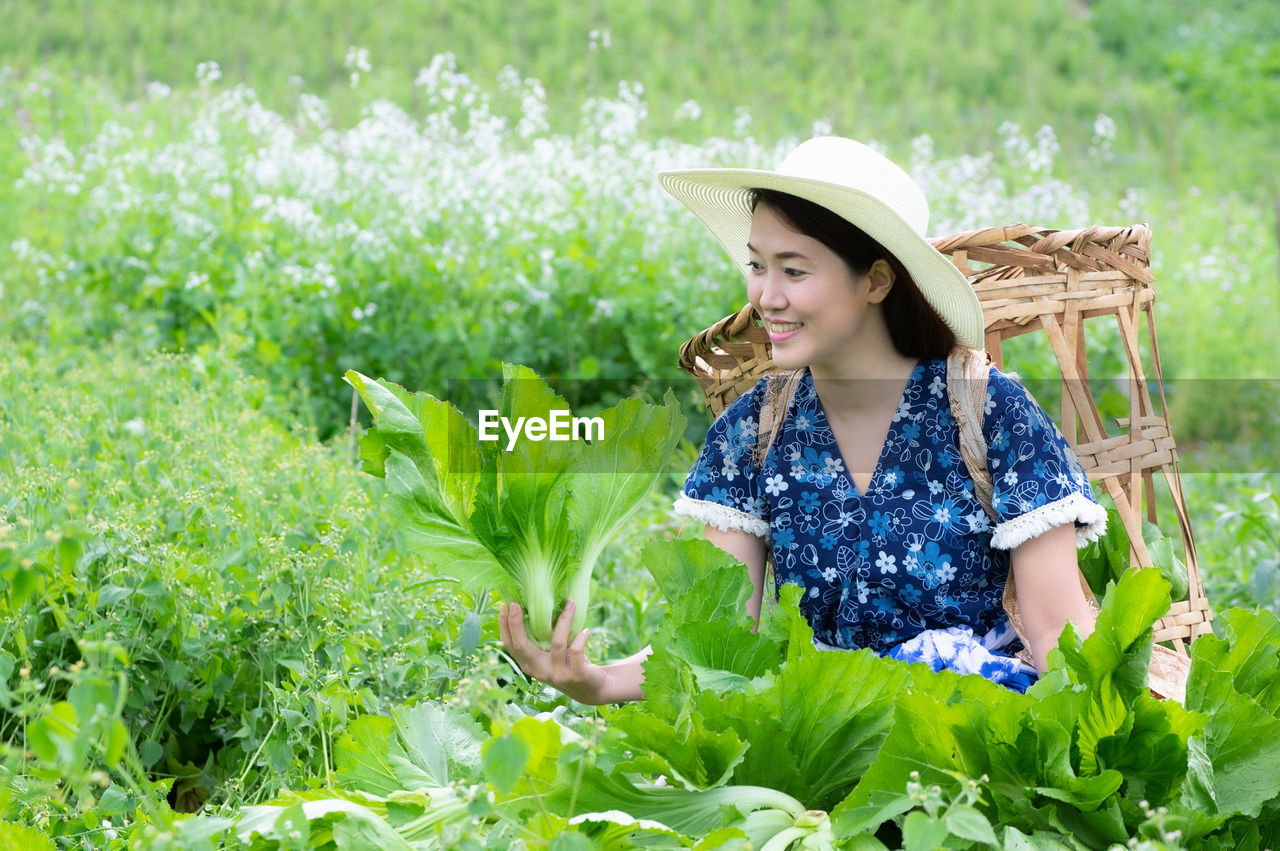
(760, 737)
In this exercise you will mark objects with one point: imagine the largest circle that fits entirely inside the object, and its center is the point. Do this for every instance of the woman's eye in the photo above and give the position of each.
(793, 273)
(754, 266)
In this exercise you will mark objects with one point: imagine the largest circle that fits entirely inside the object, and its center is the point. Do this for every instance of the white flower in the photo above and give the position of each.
(887, 563)
(935, 488)
(599, 39)
(208, 73)
(1011, 478)
(775, 485)
(689, 111)
(357, 60)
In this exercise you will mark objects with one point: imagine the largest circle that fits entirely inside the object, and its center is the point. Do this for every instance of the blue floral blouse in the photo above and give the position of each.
(916, 551)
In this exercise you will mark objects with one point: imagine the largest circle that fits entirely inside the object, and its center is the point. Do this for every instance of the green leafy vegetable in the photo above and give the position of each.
(1164, 557)
(726, 704)
(529, 517)
(1105, 560)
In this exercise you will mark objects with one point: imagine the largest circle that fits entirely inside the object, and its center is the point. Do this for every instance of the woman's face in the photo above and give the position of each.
(812, 303)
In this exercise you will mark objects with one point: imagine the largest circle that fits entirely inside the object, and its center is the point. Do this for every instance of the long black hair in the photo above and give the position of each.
(915, 328)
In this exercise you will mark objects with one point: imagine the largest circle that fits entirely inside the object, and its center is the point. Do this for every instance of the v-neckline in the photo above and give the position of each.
(875, 472)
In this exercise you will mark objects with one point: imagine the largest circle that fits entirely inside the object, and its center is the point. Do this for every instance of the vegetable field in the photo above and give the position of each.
(246, 603)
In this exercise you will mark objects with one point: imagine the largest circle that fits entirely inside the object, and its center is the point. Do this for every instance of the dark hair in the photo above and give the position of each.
(915, 327)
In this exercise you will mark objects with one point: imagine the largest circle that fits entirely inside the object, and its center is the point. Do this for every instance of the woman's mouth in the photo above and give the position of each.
(779, 331)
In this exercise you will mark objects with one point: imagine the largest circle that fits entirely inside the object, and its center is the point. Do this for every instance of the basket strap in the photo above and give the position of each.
(967, 391)
(779, 392)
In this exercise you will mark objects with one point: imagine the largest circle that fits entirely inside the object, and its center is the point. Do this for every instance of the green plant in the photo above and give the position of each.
(158, 530)
(531, 518)
(733, 745)
(1247, 568)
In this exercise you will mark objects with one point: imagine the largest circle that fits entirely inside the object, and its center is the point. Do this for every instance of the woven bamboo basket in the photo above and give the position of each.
(1056, 282)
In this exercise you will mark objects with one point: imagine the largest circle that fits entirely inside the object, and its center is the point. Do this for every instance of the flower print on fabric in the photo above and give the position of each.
(916, 551)
(1038, 480)
(722, 489)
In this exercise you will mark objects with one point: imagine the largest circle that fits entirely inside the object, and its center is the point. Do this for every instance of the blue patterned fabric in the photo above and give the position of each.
(917, 551)
(958, 649)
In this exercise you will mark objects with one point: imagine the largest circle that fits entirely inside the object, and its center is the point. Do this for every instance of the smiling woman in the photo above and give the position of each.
(845, 470)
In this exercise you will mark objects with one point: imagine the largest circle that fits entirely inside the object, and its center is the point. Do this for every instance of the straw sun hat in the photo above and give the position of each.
(855, 182)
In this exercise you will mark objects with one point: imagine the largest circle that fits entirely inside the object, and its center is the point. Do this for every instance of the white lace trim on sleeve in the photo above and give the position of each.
(720, 516)
(1089, 517)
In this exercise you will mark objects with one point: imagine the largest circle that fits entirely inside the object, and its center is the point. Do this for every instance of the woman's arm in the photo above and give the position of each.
(750, 550)
(1047, 578)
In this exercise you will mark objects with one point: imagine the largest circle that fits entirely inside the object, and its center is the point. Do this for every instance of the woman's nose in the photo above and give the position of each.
(771, 292)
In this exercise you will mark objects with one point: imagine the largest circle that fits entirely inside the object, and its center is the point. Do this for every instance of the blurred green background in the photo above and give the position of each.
(1193, 86)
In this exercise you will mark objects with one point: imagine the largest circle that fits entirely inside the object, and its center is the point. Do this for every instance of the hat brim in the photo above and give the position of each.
(721, 199)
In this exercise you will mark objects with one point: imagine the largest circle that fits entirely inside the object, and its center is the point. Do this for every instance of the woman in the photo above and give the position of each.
(858, 490)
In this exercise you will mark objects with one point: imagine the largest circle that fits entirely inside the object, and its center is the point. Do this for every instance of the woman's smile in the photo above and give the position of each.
(780, 331)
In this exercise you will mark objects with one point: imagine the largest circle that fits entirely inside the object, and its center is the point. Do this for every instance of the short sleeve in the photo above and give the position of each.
(721, 488)
(1037, 479)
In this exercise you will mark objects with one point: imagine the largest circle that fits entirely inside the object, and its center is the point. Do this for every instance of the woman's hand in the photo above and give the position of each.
(565, 665)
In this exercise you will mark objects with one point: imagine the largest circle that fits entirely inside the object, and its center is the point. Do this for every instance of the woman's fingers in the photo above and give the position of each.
(516, 640)
(504, 635)
(560, 642)
(564, 666)
(577, 655)
(514, 620)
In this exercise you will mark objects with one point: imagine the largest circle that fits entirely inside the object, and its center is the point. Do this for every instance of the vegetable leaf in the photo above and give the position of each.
(700, 581)
(1120, 646)
(1237, 756)
(531, 518)
(441, 740)
(362, 756)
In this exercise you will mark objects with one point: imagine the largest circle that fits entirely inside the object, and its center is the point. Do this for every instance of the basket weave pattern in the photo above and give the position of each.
(1036, 279)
